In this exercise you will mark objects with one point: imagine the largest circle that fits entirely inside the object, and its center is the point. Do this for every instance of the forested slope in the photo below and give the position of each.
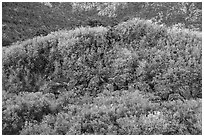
(133, 78)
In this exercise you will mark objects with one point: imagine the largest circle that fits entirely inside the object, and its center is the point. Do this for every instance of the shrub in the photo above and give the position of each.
(26, 107)
(134, 78)
(171, 58)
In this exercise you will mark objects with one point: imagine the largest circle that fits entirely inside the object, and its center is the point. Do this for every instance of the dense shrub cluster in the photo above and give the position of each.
(118, 112)
(171, 58)
(135, 78)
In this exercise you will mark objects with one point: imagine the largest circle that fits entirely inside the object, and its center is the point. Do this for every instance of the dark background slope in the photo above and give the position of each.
(22, 21)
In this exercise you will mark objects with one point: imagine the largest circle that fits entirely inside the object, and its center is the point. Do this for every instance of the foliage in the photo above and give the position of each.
(171, 59)
(169, 13)
(135, 78)
(24, 20)
(21, 21)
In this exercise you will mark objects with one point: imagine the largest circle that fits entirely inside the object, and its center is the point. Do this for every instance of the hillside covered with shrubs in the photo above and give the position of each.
(135, 78)
(25, 20)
